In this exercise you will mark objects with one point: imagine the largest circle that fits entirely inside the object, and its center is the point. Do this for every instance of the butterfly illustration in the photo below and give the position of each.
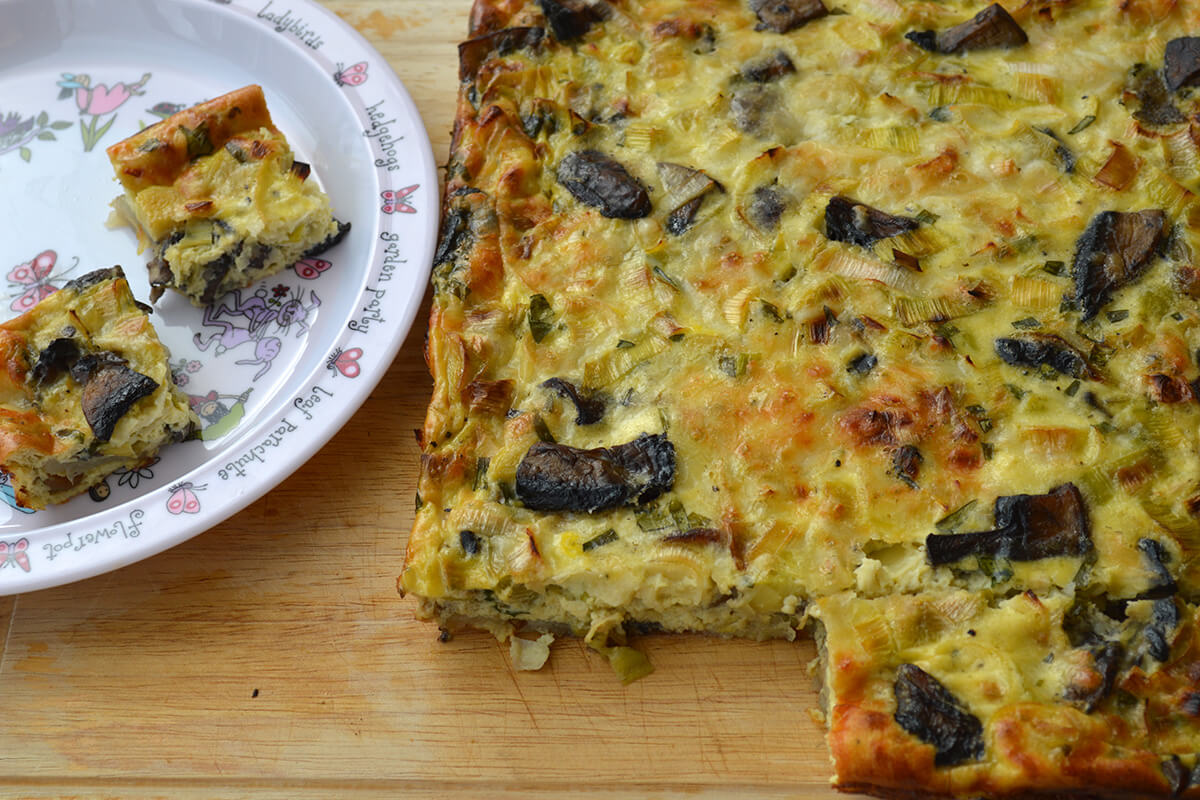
(311, 268)
(354, 75)
(15, 553)
(183, 498)
(346, 361)
(33, 279)
(393, 202)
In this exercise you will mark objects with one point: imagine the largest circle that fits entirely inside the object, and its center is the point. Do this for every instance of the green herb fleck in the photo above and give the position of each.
(622, 344)
(199, 143)
(543, 432)
(988, 450)
(1017, 391)
(608, 537)
(734, 365)
(665, 278)
(940, 114)
(926, 217)
(1072, 389)
(1054, 267)
(541, 317)
(1027, 323)
(770, 310)
(955, 519)
(481, 468)
(1082, 124)
(1117, 315)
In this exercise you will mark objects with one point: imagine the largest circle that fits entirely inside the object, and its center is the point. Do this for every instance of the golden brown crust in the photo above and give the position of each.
(158, 154)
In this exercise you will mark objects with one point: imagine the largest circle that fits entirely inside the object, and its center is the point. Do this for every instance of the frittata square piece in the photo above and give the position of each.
(86, 389)
(217, 194)
(973, 694)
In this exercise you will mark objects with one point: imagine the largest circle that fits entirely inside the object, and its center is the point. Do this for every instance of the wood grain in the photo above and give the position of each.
(271, 656)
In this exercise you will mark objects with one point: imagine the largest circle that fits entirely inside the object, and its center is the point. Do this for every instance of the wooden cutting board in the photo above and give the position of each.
(271, 656)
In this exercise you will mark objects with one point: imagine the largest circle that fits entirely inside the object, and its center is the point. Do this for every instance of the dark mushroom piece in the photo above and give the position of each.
(686, 188)
(569, 20)
(589, 408)
(926, 709)
(597, 180)
(1107, 662)
(1156, 635)
(850, 221)
(753, 106)
(1156, 556)
(769, 69)
(1038, 349)
(992, 27)
(558, 477)
(1114, 249)
(781, 16)
(1149, 88)
(767, 205)
(1181, 65)
(1028, 527)
(54, 360)
(110, 388)
(317, 249)
(474, 52)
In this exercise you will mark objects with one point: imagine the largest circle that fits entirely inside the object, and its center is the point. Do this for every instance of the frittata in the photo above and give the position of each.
(870, 316)
(217, 194)
(86, 390)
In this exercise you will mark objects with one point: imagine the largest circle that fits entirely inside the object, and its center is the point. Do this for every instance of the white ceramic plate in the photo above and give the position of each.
(273, 371)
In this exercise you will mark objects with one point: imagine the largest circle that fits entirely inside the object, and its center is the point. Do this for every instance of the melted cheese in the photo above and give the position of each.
(738, 337)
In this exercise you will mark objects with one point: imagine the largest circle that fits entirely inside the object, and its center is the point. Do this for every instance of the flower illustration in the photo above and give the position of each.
(279, 290)
(16, 132)
(194, 366)
(97, 100)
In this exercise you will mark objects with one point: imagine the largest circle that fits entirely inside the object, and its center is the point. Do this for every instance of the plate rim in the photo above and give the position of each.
(321, 430)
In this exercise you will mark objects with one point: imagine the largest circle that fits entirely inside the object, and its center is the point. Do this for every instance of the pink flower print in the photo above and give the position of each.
(96, 101)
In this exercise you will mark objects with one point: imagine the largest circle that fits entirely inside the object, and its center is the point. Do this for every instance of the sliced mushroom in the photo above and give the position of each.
(1182, 62)
(1028, 527)
(597, 180)
(589, 409)
(1156, 556)
(558, 477)
(992, 27)
(1149, 88)
(1116, 247)
(474, 52)
(767, 205)
(1038, 349)
(1157, 634)
(769, 69)
(848, 220)
(332, 239)
(1106, 660)
(569, 19)
(782, 16)
(686, 188)
(110, 388)
(754, 107)
(55, 359)
(94, 277)
(926, 709)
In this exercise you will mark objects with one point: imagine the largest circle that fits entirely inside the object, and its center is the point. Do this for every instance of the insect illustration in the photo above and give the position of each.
(15, 553)
(345, 361)
(32, 279)
(183, 500)
(311, 268)
(394, 202)
(353, 75)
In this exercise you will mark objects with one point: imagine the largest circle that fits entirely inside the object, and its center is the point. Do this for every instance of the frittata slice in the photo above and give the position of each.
(86, 390)
(217, 194)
